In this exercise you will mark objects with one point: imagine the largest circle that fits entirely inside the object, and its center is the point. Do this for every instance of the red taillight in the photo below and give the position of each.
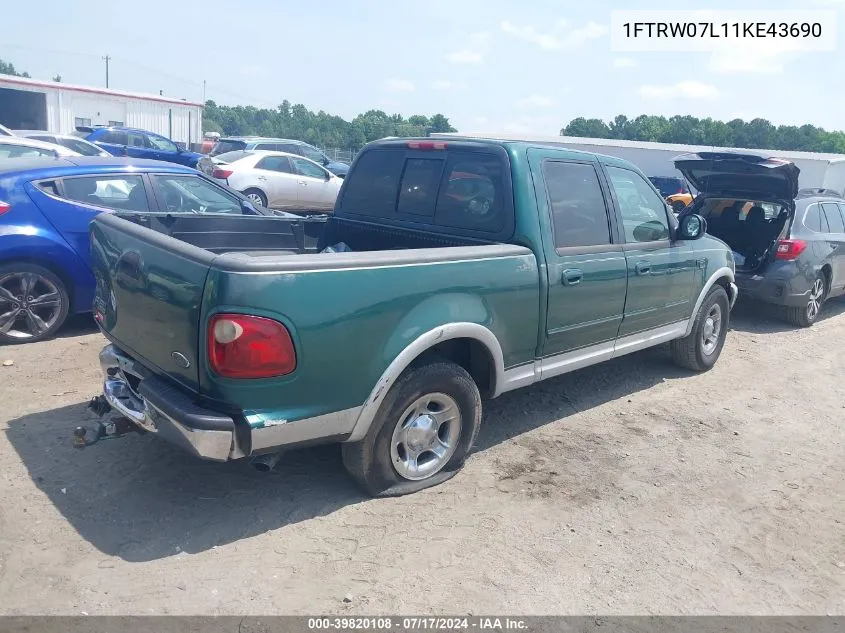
(790, 249)
(222, 173)
(4, 206)
(426, 145)
(244, 346)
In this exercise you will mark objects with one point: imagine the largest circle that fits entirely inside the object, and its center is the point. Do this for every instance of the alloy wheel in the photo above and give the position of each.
(29, 305)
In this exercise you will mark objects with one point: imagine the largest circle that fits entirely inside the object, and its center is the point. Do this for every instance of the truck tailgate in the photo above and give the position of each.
(149, 295)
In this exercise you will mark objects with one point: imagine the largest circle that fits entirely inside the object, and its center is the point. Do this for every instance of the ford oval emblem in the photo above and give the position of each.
(180, 359)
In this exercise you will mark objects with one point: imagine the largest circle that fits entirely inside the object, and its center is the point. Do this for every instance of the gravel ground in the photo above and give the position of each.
(627, 488)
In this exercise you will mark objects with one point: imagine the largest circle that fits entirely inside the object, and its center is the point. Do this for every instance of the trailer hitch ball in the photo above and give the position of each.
(79, 440)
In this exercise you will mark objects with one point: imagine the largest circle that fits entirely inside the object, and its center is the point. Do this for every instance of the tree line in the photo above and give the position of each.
(690, 130)
(317, 128)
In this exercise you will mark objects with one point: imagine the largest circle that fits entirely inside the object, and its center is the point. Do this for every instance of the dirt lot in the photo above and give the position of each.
(628, 488)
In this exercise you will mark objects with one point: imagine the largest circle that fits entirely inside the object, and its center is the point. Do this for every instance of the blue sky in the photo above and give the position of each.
(489, 65)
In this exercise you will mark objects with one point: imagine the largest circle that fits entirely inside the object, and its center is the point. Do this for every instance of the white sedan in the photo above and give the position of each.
(278, 180)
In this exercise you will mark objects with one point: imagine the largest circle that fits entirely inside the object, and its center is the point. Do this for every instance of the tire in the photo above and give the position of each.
(256, 195)
(21, 286)
(701, 349)
(806, 315)
(380, 461)
(678, 206)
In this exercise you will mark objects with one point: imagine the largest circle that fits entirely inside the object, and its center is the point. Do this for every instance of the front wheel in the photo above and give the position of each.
(701, 349)
(256, 196)
(33, 303)
(421, 434)
(806, 315)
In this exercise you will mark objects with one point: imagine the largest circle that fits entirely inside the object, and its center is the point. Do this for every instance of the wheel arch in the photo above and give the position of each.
(724, 277)
(470, 345)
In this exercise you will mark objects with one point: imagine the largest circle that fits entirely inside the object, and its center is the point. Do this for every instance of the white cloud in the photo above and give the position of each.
(400, 85)
(465, 56)
(473, 53)
(563, 38)
(688, 89)
(751, 60)
(624, 62)
(536, 101)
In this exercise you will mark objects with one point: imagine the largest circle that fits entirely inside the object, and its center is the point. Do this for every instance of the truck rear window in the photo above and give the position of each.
(454, 189)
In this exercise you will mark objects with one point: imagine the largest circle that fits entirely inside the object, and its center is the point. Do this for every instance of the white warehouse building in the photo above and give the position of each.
(61, 108)
(657, 159)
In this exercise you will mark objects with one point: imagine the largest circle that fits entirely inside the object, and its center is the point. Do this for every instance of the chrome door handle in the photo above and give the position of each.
(262, 178)
(302, 183)
(571, 276)
(642, 268)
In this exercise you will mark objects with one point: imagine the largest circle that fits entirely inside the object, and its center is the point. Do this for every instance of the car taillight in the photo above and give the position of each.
(222, 173)
(426, 145)
(789, 249)
(244, 346)
(4, 206)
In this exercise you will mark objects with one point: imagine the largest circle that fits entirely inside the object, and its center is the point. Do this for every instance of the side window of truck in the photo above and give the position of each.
(644, 216)
(579, 212)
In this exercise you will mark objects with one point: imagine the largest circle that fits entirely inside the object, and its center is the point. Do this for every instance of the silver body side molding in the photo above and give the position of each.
(552, 366)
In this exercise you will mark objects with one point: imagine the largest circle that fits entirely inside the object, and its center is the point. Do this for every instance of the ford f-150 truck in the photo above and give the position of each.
(468, 268)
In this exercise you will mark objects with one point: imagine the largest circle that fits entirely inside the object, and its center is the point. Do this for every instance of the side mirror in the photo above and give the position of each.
(247, 208)
(691, 227)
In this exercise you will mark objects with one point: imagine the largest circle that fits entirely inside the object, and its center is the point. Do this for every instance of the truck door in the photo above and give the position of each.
(661, 273)
(586, 266)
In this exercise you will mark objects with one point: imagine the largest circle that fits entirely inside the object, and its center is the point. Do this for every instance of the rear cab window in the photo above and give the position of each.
(463, 190)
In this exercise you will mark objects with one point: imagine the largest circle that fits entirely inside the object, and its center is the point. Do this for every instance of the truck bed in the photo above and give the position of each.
(267, 236)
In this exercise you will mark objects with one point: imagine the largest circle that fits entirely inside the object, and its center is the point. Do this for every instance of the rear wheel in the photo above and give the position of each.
(422, 432)
(256, 196)
(33, 303)
(701, 349)
(806, 315)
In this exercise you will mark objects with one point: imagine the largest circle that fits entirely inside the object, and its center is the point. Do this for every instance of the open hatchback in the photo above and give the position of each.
(747, 200)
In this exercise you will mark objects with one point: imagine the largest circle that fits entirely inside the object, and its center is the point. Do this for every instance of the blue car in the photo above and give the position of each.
(46, 205)
(125, 141)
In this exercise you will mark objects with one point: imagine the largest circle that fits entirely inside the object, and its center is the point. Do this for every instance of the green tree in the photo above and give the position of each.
(319, 128)
(756, 134)
(57, 79)
(7, 68)
(591, 128)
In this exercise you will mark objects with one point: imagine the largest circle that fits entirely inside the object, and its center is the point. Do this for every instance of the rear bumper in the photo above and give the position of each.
(780, 284)
(159, 408)
(156, 406)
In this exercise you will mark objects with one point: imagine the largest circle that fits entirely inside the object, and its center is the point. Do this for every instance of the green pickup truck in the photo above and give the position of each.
(466, 268)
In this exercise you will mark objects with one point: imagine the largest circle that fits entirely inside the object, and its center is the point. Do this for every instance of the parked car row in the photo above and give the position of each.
(288, 146)
(46, 206)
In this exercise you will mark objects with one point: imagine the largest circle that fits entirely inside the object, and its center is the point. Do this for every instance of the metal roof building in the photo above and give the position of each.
(657, 159)
(60, 108)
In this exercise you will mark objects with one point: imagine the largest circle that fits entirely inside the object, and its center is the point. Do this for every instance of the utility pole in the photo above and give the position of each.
(107, 58)
(203, 91)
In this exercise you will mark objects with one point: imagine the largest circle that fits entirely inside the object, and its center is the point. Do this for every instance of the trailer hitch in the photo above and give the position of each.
(103, 430)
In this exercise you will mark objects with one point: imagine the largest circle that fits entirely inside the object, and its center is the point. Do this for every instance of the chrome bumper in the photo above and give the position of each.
(734, 293)
(166, 421)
